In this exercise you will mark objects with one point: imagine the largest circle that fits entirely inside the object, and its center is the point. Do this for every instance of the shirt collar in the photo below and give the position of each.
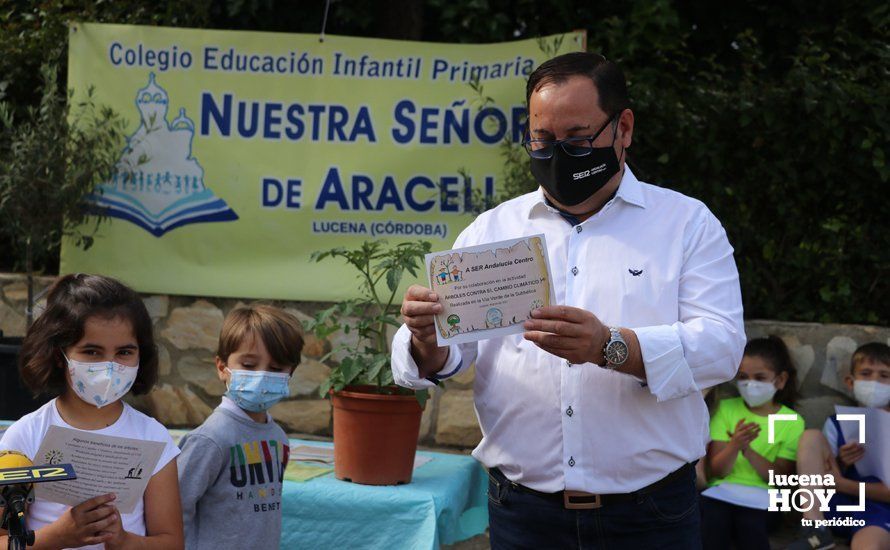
(629, 190)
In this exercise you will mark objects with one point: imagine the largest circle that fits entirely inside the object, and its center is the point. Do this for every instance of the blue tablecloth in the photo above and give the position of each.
(445, 503)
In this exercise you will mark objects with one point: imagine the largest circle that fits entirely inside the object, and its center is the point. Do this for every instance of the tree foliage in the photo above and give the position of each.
(51, 159)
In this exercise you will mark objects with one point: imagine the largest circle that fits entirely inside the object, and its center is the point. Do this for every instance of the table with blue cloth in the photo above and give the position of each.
(445, 503)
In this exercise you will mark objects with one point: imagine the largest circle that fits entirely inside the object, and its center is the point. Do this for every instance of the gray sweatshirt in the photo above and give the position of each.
(230, 479)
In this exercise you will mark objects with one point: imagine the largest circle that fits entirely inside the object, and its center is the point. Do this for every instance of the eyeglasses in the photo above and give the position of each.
(574, 146)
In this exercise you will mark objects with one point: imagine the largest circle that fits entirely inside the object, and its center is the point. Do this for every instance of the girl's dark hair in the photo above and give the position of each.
(71, 300)
(774, 351)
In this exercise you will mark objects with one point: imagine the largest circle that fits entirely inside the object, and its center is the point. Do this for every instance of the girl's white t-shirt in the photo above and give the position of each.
(27, 434)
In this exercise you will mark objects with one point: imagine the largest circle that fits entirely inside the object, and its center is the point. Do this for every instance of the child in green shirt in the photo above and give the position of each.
(739, 458)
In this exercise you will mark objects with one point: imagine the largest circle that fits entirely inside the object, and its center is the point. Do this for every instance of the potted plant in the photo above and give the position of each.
(376, 423)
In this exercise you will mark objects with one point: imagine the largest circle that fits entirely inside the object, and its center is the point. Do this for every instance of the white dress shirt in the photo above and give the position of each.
(651, 260)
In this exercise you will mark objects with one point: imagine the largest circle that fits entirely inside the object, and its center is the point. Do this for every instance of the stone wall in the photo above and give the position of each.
(186, 330)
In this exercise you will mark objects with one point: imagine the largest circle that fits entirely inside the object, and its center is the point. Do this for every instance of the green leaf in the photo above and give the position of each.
(350, 369)
(376, 365)
(393, 277)
(422, 397)
(386, 378)
(392, 321)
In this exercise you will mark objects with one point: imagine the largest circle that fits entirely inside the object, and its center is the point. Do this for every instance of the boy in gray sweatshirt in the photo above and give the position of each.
(231, 469)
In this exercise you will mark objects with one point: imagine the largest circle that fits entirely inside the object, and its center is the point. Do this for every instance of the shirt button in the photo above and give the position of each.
(575, 270)
(578, 228)
(571, 462)
(569, 364)
(569, 411)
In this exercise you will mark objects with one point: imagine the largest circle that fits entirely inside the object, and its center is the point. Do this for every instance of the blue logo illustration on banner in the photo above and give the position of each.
(158, 184)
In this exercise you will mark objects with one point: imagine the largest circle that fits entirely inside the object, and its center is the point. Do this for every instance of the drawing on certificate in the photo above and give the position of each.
(489, 290)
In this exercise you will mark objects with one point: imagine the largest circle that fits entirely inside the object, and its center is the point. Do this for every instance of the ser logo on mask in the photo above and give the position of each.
(587, 173)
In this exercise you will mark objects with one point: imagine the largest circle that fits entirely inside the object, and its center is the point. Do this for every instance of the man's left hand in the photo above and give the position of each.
(568, 332)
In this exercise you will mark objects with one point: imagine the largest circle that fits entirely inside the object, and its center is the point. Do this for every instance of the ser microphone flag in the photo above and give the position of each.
(17, 476)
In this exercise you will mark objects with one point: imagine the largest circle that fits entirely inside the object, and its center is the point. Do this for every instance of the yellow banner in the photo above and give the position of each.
(248, 151)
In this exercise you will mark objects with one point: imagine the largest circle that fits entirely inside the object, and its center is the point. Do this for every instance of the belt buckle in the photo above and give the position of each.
(584, 502)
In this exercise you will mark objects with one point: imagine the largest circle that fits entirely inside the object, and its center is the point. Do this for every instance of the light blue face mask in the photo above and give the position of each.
(257, 391)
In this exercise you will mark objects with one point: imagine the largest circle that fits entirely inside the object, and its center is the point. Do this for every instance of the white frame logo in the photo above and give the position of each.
(771, 437)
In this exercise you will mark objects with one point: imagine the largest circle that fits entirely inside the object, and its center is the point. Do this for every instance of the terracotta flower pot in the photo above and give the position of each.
(375, 436)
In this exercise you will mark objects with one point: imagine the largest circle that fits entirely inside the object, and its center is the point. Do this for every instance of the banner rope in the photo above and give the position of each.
(324, 21)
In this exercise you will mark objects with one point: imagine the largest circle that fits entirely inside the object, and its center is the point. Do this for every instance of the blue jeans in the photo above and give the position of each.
(667, 517)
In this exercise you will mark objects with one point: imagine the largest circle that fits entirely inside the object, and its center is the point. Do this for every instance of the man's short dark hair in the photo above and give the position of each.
(606, 76)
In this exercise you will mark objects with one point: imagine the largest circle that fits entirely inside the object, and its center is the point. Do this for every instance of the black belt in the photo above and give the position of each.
(579, 500)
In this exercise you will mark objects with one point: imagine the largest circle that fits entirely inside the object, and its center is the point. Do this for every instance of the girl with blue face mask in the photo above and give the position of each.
(740, 458)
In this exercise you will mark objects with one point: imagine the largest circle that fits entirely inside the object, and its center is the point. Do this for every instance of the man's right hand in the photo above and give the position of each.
(419, 307)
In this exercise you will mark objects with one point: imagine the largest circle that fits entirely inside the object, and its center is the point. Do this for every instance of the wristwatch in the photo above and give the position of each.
(615, 351)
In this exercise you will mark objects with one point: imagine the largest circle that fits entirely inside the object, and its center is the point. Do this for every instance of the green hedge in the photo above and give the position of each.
(786, 143)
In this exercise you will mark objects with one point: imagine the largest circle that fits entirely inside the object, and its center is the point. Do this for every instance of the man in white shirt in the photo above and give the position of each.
(592, 419)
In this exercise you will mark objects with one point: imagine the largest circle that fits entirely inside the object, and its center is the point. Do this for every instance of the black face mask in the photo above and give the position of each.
(572, 180)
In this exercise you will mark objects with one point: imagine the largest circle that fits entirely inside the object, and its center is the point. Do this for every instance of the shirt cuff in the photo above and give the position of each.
(452, 366)
(667, 372)
(404, 368)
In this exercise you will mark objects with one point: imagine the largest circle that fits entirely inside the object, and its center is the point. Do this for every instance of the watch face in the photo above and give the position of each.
(616, 353)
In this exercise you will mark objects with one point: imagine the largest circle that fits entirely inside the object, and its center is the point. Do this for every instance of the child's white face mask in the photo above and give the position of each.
(756, 393)
(871, 393)
(101, 383)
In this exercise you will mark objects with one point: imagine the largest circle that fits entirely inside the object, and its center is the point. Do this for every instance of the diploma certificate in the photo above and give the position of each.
(489, 290)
